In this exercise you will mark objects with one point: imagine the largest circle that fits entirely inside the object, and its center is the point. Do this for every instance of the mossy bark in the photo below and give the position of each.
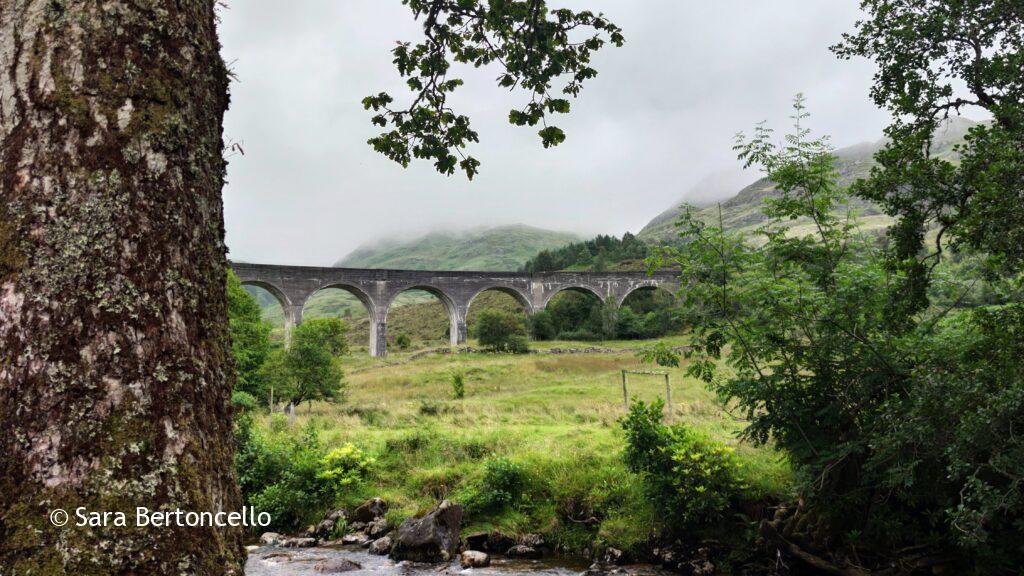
(115, 367)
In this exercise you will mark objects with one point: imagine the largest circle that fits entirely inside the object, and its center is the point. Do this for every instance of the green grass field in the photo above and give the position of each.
(555, 415)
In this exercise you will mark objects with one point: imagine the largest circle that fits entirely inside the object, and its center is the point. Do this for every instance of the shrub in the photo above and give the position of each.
(501, 331)
(502, 485)
(278, 423)
(458, 386)
(584, 334)
(290, 476)
(430, 408)
(403, 341)
(542, 327)
(344, 467)
(243, 402)
(691, 477)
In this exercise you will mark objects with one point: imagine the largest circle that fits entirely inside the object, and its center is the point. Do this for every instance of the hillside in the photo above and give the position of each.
(742, 212)
(500, 248)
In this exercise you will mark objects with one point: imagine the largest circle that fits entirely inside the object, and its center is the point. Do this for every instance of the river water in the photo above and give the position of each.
(272, 561)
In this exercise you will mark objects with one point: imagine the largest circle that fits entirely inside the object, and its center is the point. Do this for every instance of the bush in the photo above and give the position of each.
(243, 402)
(458, 386)
(290, 476)
(501, 331)
(583, 334)
(542, 327)
(344, 467)
(278, 423)
(692, 478)
(502, 485)
(403, 341)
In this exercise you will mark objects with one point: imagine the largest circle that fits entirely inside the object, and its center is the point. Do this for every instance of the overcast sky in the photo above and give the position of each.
(659, 118)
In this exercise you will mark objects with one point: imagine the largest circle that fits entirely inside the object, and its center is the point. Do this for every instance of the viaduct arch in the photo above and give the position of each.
(377, 289)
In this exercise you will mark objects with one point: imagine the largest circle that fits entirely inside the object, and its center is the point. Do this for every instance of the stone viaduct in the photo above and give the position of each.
(377, 289)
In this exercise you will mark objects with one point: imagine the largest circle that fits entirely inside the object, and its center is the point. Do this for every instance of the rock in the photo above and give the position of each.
(271, 539)
(278, 555)
(532, 541)
(299, 542)
(338, 514)
(614, 556)
(702, 568)
(474, 559)
(669, 559)
(433, 537)
(324, 529)
(357, 526)
(499, 542)
(381, 546)
(522, 551)
(336, 566)
(477, 541)
(370, 510)
(377, 528)
(358, 538)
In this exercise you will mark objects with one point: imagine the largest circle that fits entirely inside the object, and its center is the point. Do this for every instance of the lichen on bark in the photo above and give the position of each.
(115, 377)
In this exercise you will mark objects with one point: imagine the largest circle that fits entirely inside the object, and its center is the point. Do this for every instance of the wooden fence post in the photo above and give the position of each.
(625, 394)
(668, 398)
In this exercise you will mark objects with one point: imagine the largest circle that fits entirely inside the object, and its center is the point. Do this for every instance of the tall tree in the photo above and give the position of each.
(116, 375)
(937, 58)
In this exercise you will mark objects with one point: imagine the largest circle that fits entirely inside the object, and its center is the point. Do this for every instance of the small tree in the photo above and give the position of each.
(250, 336)
(501, 331)
(458, 386)
(312, 360)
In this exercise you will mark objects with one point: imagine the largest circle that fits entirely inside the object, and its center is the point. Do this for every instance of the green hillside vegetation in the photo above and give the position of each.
(599, 254)
(503, 248)
(546, 425)
(743, 212)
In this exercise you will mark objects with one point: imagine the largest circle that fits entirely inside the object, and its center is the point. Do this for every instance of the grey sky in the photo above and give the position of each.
(659, 118)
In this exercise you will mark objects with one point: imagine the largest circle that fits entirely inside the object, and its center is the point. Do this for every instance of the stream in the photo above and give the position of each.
(274, 561)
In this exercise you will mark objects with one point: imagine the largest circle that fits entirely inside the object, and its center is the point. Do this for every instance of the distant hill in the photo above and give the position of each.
(502, 248)
(742, 211)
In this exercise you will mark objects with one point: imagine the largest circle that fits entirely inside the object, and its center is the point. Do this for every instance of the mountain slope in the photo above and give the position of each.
(742, 212)
(501, 248)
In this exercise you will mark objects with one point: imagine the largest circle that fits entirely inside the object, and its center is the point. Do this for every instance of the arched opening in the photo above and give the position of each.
(574, 313)
(419, 317)
(272, 306)
(500, 300)
(349, 304)
(647, 312)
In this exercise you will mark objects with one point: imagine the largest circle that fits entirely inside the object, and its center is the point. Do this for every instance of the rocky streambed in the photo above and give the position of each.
(356, 561)
(432, 544)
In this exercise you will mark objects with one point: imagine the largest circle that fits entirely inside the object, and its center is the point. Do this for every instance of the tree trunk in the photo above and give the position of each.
(115, 370)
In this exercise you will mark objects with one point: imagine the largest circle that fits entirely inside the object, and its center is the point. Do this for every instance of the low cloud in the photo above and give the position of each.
(655, 126)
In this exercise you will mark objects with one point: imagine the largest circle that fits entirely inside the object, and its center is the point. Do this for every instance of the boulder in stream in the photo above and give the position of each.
(270, 539)
(357, 538)
(381, 546)
(299, 542)
(474, 559)
(370, 511)
(377, 528)
(523, 551)
(433, 537)
(336, 566)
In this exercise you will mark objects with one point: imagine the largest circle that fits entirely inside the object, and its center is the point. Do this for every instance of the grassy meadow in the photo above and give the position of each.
(553, 415)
